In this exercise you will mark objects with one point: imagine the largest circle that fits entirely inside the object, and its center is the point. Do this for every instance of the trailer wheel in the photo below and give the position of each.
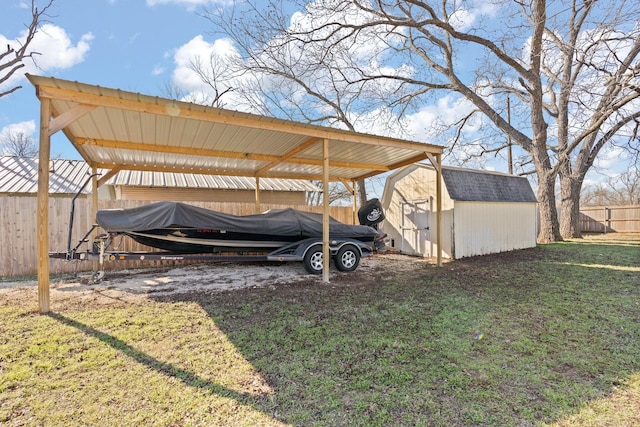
(313, 261)
(347, 258)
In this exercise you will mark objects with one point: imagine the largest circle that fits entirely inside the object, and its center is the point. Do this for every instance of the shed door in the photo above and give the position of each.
(416, 238)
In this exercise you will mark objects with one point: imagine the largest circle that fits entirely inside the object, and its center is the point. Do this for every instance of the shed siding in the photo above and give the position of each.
(416, 184)
(469, 228)
(483, 228)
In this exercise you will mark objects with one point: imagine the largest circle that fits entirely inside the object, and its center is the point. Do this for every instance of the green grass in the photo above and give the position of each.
(540, 336)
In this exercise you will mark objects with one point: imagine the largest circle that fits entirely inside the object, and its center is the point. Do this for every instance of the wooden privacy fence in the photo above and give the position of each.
(606, 219)
(18, 239)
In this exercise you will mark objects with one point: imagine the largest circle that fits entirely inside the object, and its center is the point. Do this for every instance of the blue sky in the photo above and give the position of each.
(126, 44)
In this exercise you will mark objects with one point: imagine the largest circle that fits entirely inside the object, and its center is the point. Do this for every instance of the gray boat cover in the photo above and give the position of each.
(277, 222)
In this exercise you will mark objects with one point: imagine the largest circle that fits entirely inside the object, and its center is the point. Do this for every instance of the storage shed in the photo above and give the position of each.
(482, 212)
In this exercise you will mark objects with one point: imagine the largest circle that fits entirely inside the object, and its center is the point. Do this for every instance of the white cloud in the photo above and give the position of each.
(27, 128)
(215, 58)
(432, 120)
(55, 51)
(465, 17)
(612, 158)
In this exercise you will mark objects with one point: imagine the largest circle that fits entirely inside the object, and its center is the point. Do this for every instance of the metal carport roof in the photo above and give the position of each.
(119, 130)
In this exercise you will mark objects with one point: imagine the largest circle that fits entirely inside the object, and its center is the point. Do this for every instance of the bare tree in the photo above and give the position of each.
(12, 59)
(596, 102)
(570, 69)
(302, 80)
(18, 144)
(217, 74)
(337, 193)
(623, 189)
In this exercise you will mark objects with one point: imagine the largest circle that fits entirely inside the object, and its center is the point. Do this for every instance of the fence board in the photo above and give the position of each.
(606, 219)
(18, 239)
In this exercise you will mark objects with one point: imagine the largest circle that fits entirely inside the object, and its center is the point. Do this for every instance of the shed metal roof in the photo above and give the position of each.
(486, 186)
(221, 182)
(119, 130)
(19, 175)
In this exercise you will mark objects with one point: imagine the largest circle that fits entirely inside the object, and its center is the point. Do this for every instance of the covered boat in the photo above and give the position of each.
(182, 228)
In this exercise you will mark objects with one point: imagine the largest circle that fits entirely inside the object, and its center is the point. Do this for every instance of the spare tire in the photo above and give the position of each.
(371, 213)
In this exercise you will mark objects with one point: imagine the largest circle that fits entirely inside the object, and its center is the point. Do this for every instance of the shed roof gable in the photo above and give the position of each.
(484, 186)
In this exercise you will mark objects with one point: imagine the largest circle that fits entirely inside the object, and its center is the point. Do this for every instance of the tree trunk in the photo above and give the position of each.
(570, 188)
(362, 192)
(549, 229)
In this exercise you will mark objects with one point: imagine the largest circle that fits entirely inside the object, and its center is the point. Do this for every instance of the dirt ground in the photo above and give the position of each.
(138, 285)
(125, 286)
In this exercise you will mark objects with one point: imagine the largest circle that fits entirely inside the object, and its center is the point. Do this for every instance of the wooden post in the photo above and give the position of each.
(43, 206)
(94, 208)
(258, 207)
(439, 207)
(351, 188)
(354, 202)
(325, 212)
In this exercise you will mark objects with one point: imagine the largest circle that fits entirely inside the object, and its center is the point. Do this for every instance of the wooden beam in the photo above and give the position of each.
(258, 207)
(157, 148)
(274, 160)
(68, 117)
(354, 203)
(336, 164)
(165, 107)
(300, 148)
(214, 171)
(43, 207)
(351, 188)
(94, 208)
(397, 165)
(434, 161)
(325, 211)
(347, 185)
(107, 176)
(438, 167)
(69, 135)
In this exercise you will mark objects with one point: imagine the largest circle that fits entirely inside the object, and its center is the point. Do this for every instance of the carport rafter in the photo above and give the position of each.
(211, 171)
(274, 160)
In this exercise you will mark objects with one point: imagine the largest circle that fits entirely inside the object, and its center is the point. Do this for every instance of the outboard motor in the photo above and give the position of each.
(371, 213)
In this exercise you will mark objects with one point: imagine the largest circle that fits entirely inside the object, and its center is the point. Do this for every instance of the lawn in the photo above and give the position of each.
(549, 335)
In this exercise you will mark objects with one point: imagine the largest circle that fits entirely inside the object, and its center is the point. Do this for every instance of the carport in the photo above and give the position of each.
(118, 130)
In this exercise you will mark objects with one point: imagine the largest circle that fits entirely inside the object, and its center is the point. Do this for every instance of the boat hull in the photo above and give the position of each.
(193, 241)
(180, 228)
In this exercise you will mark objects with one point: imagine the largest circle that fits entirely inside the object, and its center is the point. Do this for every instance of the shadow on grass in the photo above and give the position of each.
(519, 338)
(188, 378)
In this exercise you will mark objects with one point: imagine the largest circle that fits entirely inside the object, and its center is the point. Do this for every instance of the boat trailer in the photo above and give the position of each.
(346, 254)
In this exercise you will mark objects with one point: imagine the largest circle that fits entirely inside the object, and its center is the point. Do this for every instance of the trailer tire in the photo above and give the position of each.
(313, 260)
(347, 258)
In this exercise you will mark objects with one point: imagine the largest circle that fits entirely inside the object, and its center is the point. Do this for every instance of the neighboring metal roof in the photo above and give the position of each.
(119, 130)
(19, 175)
(486, 186)
(182, 180)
